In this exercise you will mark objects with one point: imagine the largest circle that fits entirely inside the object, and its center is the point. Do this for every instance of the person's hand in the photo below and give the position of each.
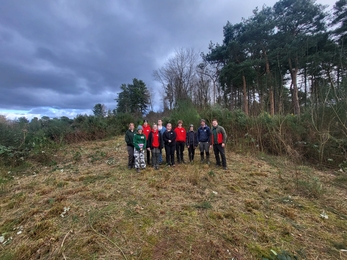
(148, 149)
(223, 144)
(210, 145)
(169, 141)
(187, 146)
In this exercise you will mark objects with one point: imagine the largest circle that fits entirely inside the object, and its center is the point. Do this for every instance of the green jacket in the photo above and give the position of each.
(129, 137)
(138, 140)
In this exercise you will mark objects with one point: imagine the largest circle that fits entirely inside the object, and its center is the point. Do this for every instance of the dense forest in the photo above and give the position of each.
(277, 83)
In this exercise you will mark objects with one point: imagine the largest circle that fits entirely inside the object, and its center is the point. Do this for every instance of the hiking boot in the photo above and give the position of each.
(225, 168)
(138, 170)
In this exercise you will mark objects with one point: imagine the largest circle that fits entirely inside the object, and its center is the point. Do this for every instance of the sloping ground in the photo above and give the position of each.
(88, 205)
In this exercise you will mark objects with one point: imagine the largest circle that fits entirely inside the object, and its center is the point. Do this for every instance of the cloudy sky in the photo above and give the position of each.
(61, 57)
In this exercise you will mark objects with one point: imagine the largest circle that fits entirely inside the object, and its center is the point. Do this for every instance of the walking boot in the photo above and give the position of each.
(202, 158)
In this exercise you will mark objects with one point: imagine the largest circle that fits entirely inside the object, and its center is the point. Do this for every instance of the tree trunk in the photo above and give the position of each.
(271, 92)
(272, 103)
(295, 93)
(245, 96)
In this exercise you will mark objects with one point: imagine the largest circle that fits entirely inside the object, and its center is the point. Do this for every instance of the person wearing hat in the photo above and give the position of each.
(204, 136)
(146, 130)
(192, 142)
(181, 135)
(129, 138)
(139, 147)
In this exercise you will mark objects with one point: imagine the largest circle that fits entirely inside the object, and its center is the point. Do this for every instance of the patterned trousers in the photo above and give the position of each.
(139, 159)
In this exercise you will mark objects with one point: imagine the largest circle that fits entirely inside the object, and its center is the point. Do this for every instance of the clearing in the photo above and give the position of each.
(81, 202)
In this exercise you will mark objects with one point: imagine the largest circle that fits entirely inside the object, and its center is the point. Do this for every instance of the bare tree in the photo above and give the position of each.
(178, 75)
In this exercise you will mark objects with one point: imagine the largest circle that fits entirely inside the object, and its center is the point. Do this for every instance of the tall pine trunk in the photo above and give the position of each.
(295, 92)
(245, 96)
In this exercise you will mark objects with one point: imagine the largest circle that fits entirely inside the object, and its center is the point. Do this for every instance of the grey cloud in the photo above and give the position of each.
(75, 54)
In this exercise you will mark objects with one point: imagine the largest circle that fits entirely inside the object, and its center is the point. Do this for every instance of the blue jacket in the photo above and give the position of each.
(204, 134)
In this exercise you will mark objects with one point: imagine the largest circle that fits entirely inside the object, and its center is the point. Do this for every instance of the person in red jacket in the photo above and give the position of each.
(155, 144)
(181, 135)
(218, 141)
(146, 130)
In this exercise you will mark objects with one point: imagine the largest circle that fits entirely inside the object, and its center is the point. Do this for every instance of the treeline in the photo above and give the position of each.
(284, 59)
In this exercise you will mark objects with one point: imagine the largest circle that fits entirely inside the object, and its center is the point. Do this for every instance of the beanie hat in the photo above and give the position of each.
(139, 128)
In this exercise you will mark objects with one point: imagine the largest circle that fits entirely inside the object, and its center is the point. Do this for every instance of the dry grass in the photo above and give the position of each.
(187, 212)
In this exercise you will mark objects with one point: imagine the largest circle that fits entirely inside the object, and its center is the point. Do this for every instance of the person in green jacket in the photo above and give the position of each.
(129, 138)
(139, 148)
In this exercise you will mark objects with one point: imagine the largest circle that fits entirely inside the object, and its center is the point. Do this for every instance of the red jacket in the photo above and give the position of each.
(146, 130)
(221, 135)
(155, 140)
(181, 134)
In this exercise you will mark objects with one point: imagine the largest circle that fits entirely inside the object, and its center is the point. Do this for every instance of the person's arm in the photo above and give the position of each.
(209, 134)
(126, 138)
(224, 135)
(148, 143)
(144, 145)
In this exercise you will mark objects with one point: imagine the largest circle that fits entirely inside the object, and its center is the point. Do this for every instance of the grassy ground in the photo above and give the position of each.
(82, 202)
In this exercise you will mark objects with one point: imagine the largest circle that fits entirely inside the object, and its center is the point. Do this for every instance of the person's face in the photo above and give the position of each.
(179, 125)
(131, 126)
(145, 123)
(191, 128)
(214, 123)
(168, 127)
(160, 122)
(155, 127)
(139, 131)
(202, 123)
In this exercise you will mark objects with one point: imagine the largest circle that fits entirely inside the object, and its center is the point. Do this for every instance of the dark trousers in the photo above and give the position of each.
(131, 158)
(170, 154)
(191, 152)
(155, 156)
(179, 150)
(218, 149)
(148, 157)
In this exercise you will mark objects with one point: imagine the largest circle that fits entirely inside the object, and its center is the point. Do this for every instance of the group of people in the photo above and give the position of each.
(154, 139)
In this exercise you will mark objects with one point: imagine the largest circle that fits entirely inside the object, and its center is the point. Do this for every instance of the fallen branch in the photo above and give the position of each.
(62, 243)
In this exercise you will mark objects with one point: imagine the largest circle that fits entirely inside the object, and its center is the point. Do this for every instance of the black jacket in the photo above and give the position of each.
(129, 137)
(192, 139)
(150, 140)
(169, 136)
